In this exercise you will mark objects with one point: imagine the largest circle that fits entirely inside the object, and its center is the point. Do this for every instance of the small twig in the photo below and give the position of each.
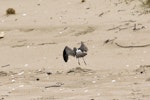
(137, 46)
(123, 28)
(129, 21)
(114, 28)
(52, 86)
(46, 43)
(15, 46)
(59, 84)
(25, 44)
(135, 27)
(110, 41)
(100, 15)
(6, 65)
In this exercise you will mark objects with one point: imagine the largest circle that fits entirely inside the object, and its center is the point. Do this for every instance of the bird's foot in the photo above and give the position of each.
(85, 63)
(79, 63)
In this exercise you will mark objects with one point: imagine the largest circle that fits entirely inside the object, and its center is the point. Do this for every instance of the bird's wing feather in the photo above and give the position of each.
(67, 51)
(83, 47)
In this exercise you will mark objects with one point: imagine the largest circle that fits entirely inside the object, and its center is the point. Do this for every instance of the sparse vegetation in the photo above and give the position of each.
(82, 1)
(128, 1)
(146, 3)
(10, 11)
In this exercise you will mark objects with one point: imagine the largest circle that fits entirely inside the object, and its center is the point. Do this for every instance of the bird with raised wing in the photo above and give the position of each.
(75, 52)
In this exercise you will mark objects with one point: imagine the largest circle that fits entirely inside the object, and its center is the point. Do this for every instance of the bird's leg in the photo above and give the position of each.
(84, 61)
(78, 61)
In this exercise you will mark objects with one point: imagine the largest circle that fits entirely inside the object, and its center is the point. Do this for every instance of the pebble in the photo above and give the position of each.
(13, 89)
(93, 81)
(98, 94)
(20, 73)
(28, 46)
(127, 65)
(113, 81)
(60, 32)
(13, 80)
(37, 79)
(26, 65)
(24, 14)
(85, 91)
(21, 86)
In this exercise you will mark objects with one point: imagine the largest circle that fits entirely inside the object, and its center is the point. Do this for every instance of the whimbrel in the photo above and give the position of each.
(76, 52)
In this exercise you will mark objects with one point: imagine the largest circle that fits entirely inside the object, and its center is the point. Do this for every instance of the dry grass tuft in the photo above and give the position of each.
(10, 11)
(82, 1)
(146, 3)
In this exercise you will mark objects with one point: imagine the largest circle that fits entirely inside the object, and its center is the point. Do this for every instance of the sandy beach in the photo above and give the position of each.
(32, 41)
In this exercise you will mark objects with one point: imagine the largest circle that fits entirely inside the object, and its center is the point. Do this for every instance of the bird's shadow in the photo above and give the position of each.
(79, 70)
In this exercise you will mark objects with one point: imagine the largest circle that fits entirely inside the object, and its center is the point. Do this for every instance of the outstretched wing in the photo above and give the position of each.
(83, 47)
(67, 51)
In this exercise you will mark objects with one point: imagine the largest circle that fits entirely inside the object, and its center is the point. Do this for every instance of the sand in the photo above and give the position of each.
(32, 42)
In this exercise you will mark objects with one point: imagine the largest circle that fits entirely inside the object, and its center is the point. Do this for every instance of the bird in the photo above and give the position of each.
(80, 52)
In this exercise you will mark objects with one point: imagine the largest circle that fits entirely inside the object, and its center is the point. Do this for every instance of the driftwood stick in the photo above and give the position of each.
(137, 46)
(114, 28)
